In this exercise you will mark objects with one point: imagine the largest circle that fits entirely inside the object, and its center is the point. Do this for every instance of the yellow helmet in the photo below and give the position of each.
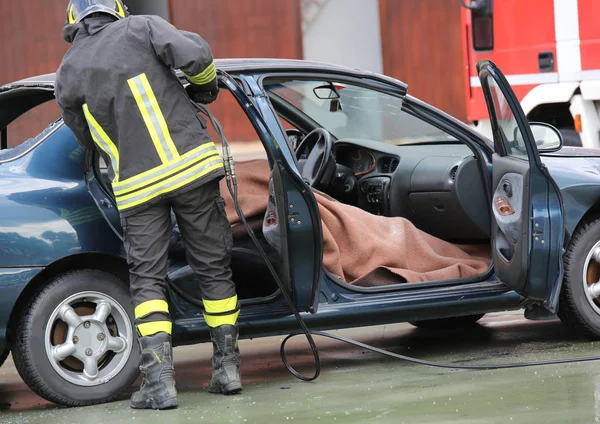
(80, 9)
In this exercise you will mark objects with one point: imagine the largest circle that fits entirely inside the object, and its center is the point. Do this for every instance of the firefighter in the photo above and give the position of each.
(119, 94)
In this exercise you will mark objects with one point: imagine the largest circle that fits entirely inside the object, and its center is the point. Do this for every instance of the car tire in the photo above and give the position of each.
(4, 356)
(106, 336)
(577, 308)
(448, 323)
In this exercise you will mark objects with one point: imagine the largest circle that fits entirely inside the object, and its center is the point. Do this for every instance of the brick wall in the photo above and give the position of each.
(422, 46)
(234, 28)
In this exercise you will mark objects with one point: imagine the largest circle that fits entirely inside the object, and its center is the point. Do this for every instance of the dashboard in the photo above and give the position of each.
(439, 188)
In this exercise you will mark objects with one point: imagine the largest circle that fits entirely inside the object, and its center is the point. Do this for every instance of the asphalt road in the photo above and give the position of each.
(360, 386)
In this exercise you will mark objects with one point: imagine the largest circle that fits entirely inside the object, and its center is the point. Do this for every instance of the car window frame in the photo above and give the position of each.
(50, 129)
(381, 87)
(57, 125)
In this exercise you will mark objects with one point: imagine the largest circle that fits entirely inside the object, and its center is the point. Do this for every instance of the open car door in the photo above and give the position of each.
(527, 215)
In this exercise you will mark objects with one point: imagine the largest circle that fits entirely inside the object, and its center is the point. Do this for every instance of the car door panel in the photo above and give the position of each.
(527, 227)
(298, 205)
(510, 224)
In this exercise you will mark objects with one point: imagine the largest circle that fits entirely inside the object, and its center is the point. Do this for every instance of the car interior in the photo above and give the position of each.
(405, 168)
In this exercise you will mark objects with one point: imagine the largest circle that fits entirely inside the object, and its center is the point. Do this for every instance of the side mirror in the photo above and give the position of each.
(482, 7)
(482, 23)
(547, 138)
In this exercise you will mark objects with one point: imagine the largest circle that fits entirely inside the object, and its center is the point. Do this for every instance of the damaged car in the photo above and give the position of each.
(372, 206)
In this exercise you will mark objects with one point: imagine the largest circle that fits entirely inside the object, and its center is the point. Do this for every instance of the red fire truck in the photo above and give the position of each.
(550, 52)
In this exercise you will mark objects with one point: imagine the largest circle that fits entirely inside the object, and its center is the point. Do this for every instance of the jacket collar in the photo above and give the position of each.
(87, 27)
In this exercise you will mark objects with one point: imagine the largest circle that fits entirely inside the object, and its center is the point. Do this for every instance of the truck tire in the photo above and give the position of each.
(448, 323)
(570, 137)
(578, 308)
(101, 358)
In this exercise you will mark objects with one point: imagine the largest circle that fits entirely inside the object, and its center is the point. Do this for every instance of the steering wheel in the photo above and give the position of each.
(319, 168)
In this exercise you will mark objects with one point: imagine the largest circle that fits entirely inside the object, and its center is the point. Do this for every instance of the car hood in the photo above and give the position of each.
(574, 152)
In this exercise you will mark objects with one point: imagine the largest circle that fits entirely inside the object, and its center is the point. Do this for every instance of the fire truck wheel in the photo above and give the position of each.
(570, 137)
(579, 306)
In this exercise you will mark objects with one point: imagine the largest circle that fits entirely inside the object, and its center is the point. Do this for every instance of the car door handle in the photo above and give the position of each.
(507, 187)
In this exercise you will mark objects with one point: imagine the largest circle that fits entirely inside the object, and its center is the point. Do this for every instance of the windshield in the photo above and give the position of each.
(350, 111)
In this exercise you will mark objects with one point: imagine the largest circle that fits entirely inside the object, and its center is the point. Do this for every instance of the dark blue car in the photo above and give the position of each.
(65, 312)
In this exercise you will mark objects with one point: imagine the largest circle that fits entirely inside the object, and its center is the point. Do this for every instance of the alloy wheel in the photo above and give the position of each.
(89, 338)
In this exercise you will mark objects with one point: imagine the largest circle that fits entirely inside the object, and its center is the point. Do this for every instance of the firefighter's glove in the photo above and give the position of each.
(202, 95)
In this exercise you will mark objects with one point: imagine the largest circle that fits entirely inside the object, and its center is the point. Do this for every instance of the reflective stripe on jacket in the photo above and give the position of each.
(117, 91)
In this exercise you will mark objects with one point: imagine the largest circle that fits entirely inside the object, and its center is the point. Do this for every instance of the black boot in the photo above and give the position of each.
(226, 361)
(158, 386)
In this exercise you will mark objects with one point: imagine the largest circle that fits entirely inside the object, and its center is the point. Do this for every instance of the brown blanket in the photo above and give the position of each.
(365, 249)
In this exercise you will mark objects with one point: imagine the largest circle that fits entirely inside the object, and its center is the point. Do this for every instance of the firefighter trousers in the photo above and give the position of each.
(206, 232)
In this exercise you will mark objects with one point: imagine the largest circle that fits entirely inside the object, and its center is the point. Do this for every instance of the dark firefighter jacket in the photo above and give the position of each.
(117, 91)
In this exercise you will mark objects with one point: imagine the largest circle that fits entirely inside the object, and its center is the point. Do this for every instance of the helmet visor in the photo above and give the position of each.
(79, 9)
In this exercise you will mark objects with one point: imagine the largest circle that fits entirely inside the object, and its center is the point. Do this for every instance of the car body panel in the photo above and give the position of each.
(351, 310)
(12, 283)
(579, 182)
(47, 211)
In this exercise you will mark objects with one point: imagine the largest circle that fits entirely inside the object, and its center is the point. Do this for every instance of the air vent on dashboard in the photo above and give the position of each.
(389, 164)
(453, 173)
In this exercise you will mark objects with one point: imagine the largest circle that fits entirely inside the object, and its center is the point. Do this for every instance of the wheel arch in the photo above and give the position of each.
(555, 114)
(548, 94)
(592, 213)
(111, 264)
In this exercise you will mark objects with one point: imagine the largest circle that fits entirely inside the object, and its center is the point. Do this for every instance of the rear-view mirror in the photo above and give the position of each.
(329, 92)
(326, 92)
(547, 138)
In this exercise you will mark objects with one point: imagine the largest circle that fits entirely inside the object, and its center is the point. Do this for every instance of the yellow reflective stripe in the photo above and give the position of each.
(103, 141)
(165, 170)
(204, 77)
(218, 320)
(173, 183)
(151, 328)
(71, 17)
(146, 308)
(164, 130)
(220, 306)
(120, 10)
(205, 163)
(153, 117)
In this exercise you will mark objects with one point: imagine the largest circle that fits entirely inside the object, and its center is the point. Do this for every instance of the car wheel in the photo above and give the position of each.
(448, 323)
(3, 356)
(76, 342)
(579, 306)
